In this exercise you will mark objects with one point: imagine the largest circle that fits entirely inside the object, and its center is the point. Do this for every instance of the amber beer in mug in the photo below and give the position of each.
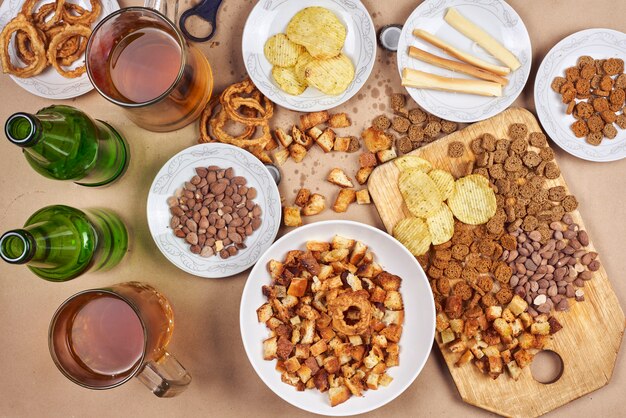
(139, 60)
(101, 338)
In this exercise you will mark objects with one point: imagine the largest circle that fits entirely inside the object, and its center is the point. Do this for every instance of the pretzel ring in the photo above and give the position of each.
(342, 303)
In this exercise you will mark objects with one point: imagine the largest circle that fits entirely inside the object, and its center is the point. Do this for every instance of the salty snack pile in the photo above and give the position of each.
(309, 54)
(56, 34)
(335, 319)
(242, 107)
(594, 92)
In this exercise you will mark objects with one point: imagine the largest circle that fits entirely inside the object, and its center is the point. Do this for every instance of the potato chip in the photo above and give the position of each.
(318, 30)
(301, 64)
(472, 201)
(413, 234)
(420, 193)
(330, 76)
(441, 225)
(444, 182)
(408, 162)
(279, 50)
(287, 80)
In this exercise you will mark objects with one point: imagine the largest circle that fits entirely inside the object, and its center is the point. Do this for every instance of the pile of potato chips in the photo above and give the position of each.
(309, 54)
(426, 190)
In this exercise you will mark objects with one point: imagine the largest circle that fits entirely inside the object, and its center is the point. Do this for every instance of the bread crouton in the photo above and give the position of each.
(368, 159)
(342, 143)
(344, 199)
(326, 140)
(302, 197)
(540, 328)
(271, 145)
(393, 300)
(376, 140)
(314, 132)
(318, 246)
(339, 120)
(523, 358)
(319, 348)
(363, 174)
(517, 305)
(297, 287)
(281, 156)
(513, 370)
(386, 155)
(465, 358)
(363, 197)
(297, 152)
(338, 177)
(270, 347)
(309, 120)
(284, 138)
(358, 251)
(292, 216)
(301, 138)
(338, 395)
(315, 205)
(264, 313)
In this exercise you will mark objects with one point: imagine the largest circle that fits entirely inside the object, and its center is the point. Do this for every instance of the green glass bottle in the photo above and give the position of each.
(63, 143)
(59, 243)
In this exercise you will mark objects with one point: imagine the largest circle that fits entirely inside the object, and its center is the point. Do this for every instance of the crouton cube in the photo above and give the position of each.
(513, 370)
(355, 386)
(491, 351)
(506, 356)
(526, 340)
(308, 331)
(342, 143)
(503, 328)
(270, 347)
(508, 315)
(540, 328)
(442, 322)
(457, 325)
(331, 364)
(340, 242)
(314, 132)
(393, 300)
(457, 346)
(302, 197)
(393, 317)
(338, 177)
(493, 312)
(292, 365)
(354, 282)
(378, 295)
(317, 246)
(541, 341)
(555, 325)
(380, 340)
(292, 216)
(281, 156)
(297, 287)
(363, 174)
(284, 139)
(338, 395)
(355, 339)
(297, 152)
(517, 305)
(526, 319)
(326, 140)
(325, 271)
(385, 380)
(301, 138)
(264, 313)
(315, 205)
(368, 160)
(336, 254)
(290, 378)
(512, 345)
(523, 358)
(304, 372)
(271, 145)
(344, 199)
(386, 155)
(388, 281)
(517, 327)
(339, 120)
(357, 352)
(495, 366)
(541, 318)
(372, 381)
(465, 358)
(471, 327)
(309, 120)
(363, 197)
(303, 351)
(334, 283)
(275, 269)
(358, 252)
(376, 140)
(371, 360)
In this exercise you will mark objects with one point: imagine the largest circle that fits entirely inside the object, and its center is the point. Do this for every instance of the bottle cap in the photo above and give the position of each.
(389, 37)
(274, 172)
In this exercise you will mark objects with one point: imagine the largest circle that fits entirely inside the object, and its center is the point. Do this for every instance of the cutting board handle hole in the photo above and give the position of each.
(547, 367)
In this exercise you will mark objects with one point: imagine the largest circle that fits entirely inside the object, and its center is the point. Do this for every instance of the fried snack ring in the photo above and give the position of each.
(40, 16)
(37, 44)
(207, 115)
(265, 114)
(83, 16)
(70, 50)
(340, 305)
(245, 87)
(217, 124)
(57, 40)
(22, 46)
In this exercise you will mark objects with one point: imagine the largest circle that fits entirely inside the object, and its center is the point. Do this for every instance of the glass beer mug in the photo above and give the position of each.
(102, 338)
(139, 60)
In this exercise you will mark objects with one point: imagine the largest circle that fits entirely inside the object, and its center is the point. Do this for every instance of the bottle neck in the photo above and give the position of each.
(23, 129)
(17, 246)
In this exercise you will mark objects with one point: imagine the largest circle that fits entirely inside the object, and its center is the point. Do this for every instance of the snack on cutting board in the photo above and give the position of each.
(335, 319)
(594, 92)
(55, 34)
(491, 77)
(309, 54)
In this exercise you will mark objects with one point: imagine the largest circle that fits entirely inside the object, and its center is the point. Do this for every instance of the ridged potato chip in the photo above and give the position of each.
(279, 50)
(414, 235)
(330, 76)
(287, 80)
(420, 193)
(441, 225)
(444, 182)
(301, 64)
(472, 202)
(318, 30)
(408, 162)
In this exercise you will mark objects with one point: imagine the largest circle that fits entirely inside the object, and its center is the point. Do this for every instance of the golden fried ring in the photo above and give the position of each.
(266, 114)
(82, 16)
(245, 87)
(38, 48)
(217, 125)
(22, 46)
(339, 305)
(27, 7)
(43, 12)
(58, 39)
(70, 50)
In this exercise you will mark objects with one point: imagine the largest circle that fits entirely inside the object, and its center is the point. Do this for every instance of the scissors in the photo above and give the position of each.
(205, 10)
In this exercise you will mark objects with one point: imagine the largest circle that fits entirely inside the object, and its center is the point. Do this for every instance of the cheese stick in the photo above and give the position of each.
(457, 66)
(422, 80)
(463, 56)
(482, 38)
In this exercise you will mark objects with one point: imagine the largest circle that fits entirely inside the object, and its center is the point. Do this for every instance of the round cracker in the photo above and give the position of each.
(408, 162)
(287, 80)
(472, 202)
(420, 193)
(331, 76)
(441, 225)
(444, 182)
(318, 30)
(279, 50)
(413, 233)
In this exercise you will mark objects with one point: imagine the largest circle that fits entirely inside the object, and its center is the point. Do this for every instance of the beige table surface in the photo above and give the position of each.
(207, 339)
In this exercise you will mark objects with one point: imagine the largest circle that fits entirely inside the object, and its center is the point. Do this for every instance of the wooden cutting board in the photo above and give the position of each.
(592, 330)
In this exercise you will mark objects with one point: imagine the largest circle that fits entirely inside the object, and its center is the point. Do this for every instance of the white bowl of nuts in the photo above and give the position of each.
(337, 318)
(213, 209)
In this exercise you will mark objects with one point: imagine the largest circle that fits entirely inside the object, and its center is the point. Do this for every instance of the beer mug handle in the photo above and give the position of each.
(165, 377)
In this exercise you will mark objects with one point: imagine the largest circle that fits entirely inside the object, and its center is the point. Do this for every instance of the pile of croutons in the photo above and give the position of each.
(335, 319)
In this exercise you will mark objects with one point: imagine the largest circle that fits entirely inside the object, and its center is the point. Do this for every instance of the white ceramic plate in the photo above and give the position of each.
(181, 168)
(50, 84)
(597, 43)
(494, 16)
(419, 309)
(270, 17)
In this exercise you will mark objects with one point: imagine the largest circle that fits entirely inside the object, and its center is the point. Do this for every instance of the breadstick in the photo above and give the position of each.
(482, 38)
(463, 56)
(422, 80)
(460, 67)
